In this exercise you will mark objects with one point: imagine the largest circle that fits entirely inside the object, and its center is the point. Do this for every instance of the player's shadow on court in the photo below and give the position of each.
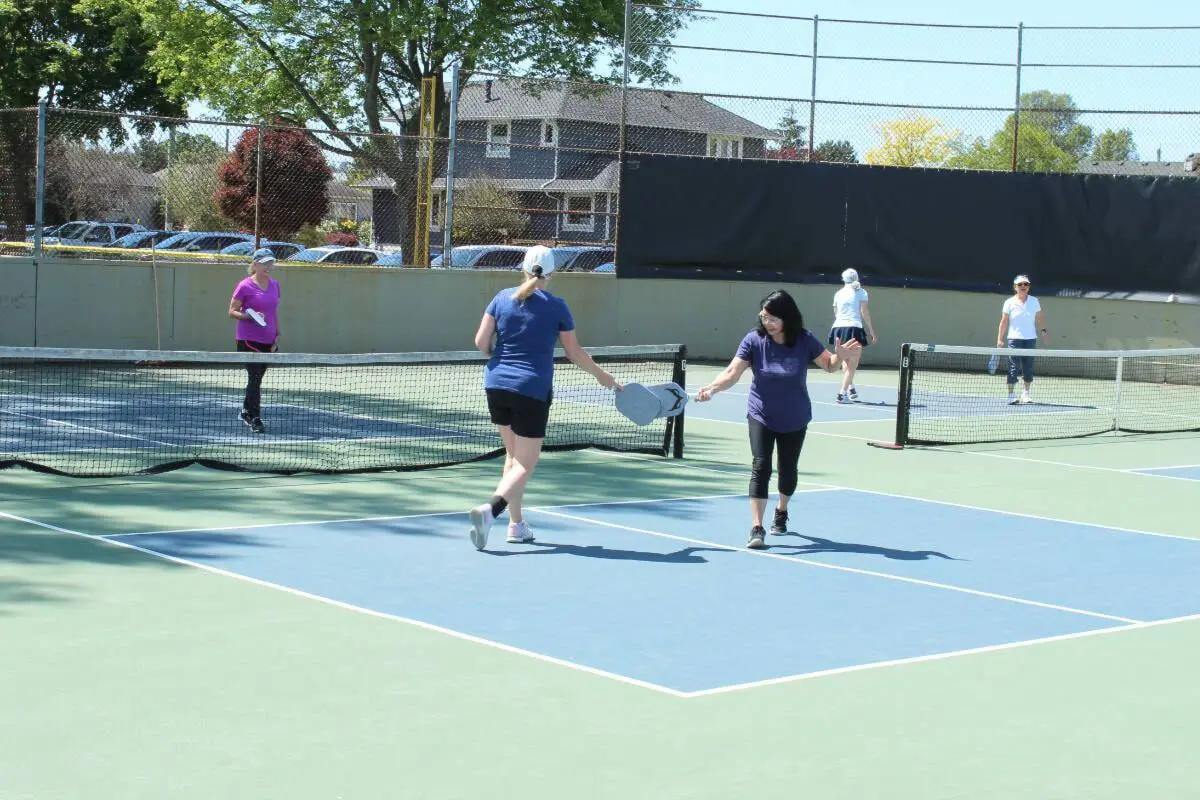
(819, 545)
(687, 555)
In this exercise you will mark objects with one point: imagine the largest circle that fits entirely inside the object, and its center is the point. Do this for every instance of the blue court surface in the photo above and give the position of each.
(182, 420)
(1191, 473)
(664, 592)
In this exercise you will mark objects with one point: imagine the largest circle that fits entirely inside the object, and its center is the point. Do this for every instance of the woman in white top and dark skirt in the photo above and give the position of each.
(849, 315)
(1020, 322)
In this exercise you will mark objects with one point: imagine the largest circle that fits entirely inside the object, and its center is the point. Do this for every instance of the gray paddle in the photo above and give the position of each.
(642, 404)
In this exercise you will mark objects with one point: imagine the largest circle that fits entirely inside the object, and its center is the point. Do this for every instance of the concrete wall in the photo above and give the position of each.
(78, 303)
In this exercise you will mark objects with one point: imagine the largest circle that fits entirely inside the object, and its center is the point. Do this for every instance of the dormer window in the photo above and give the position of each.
(549, 136)
(499, 135)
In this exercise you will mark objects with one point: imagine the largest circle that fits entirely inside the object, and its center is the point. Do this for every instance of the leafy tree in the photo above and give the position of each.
(278, 58)
(485, 211)
(92, 54)
(294, 187)
(1036, 152)
(839, 151)
(1115, 146)
(188, 195)
(187, 148)
(1058, 115)
(913, 141)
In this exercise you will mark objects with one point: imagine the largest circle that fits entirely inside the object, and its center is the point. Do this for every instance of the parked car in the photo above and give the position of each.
(483, 256)
(141, 239)
(610, 267)
(91, 233)
(215, 242)
(582, 258)
(282, 250)
(335, 254)
(178, 240)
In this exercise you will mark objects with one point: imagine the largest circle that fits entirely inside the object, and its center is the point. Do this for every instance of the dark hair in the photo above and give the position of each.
(780, 304)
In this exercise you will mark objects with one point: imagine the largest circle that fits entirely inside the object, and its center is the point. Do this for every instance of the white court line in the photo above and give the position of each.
(839, 568)
(1153, 469)
(391, 518)
(995, 648)
(349, 607)
(85, 428)
(1006, 512)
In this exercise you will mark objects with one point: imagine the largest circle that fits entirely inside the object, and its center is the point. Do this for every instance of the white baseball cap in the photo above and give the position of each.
(539, 261)
(1021, 279)
(850, 276)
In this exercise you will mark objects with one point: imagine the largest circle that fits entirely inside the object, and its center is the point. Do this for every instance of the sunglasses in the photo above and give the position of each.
(765, 317)
(1022, 283)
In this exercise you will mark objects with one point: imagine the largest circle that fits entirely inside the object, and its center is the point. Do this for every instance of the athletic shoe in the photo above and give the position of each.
(257, 426)
(1012, 398)
(756, 538)
(853, 394)
(1026, 398)
(841, 398)
(779, 527)
(518, 533)
(481, 523)
(245, 417)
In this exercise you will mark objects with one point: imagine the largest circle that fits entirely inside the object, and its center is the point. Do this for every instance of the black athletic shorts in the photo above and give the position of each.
(526, 415)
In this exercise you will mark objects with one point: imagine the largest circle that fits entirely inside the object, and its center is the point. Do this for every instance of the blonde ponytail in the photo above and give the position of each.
(526, 289)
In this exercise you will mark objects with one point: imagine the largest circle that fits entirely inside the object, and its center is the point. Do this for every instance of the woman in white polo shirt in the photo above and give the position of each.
(1021, 321)
(851, 321)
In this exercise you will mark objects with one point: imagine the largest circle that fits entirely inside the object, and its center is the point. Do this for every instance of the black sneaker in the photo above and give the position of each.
(257, 426)
(246, 419)
(756, 538)
(779, 526)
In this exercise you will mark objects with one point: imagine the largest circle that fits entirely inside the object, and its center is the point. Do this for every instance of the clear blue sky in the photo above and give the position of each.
(1100, 89)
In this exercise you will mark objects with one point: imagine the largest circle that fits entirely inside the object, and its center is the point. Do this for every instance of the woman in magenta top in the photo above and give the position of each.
(256, 296)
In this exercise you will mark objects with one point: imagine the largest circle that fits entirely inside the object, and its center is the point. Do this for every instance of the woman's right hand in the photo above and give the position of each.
(608, 381)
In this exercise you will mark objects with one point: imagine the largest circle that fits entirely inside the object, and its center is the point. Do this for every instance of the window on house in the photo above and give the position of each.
(499, 135)
(435, 212)
(724, 146)
(581, 209)
(549, 134)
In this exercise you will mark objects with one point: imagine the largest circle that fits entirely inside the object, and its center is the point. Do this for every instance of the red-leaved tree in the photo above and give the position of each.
(294, 183)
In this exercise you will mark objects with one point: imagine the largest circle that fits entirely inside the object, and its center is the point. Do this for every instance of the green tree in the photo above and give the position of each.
(840, 150)
(188, 196)
(1058, 115)
(150, 155)
(91, 54)
(913, 141)
(1115, 146)
(1036, 152)
(358, 65)
(484, 211)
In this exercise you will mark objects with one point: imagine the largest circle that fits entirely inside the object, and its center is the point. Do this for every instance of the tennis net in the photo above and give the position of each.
(102, 413)
(960, 395)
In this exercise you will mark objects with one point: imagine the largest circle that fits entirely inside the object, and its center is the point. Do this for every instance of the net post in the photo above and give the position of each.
(679, 376)
(1117, 396)
(904, 395)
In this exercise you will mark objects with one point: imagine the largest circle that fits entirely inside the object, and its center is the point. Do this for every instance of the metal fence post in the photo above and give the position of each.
(258, 186)
(448, 222)
(812, 98)
(1017, 101)
(39, 197)
(622, 142)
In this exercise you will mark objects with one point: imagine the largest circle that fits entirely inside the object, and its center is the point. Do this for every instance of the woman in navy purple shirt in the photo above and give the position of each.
(518, 333)
(778, 353)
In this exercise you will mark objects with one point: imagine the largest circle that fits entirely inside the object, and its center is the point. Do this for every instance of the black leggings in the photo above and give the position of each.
(762, 444)
(252, 404)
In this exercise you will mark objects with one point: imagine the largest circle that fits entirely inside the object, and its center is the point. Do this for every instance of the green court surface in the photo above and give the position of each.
(128, 675)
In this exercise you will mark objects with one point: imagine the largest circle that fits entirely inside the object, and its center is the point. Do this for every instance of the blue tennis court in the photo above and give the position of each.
(1191, 473)
(663, 593)
(182, 419)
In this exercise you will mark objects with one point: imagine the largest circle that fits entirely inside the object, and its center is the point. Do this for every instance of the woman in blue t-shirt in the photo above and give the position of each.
(526, 323)
(778, 353)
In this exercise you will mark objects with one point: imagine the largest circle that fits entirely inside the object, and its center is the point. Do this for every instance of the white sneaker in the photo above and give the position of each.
(1026, 398)
(1012, 398)
(481, 523)
(518, 533)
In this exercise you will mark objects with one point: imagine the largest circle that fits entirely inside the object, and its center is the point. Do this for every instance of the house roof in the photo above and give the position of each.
(513, 98)
(1165, 169)
(603, 182)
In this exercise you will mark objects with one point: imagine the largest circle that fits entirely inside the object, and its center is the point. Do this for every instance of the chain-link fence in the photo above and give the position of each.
(516, 160)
